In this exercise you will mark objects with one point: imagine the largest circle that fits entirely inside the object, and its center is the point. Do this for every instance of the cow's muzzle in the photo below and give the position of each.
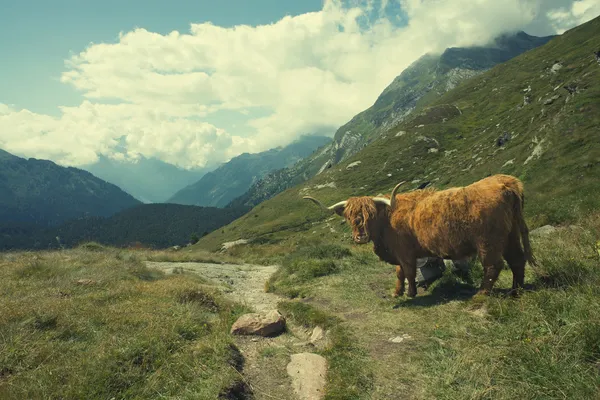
(361, 239)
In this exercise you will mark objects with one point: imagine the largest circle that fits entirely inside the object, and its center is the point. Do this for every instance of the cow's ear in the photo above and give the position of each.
(339, 210)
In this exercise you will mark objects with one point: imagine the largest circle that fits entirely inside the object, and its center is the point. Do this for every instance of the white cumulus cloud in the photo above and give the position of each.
(581, 11)
(158, 95)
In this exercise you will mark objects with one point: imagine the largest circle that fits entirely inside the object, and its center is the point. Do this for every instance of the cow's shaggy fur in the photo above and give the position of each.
(484, 219)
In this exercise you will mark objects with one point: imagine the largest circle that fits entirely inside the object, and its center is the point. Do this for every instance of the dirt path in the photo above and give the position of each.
(243, 283)
(265, 358)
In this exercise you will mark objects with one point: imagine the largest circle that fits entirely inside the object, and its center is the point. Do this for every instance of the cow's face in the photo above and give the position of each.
(362, 214)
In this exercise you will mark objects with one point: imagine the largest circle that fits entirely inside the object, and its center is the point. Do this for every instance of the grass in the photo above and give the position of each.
(544, 344)
(96, 323)
(300, 267)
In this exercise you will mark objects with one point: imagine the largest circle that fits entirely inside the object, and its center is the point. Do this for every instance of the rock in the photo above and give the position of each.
(571, 88)
(432, 150)
(551, 100)
(423, 185)
(399, 339)
(428, 270)
(401, 133)
(317, 335)
(308, 372)
(259, 324)
(556, 67)
(86, 282)
(502, 140)
(597, 55)
(228, 245)
(526, 100)
(509, 162)
(353, 164)
(543, 230)
(175, 248)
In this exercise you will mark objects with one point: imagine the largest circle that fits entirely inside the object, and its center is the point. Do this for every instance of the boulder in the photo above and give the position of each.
(308, 372)
(428, 270)
(543, 231)
(268, 324)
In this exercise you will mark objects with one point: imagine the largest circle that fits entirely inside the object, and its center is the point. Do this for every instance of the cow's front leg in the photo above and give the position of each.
(410, 271)
(399, 291)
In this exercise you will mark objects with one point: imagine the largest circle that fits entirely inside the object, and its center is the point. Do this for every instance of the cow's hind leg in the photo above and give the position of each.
(515, 257)
(399, 291)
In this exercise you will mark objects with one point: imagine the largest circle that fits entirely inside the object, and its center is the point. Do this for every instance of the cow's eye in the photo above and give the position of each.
(358, 220)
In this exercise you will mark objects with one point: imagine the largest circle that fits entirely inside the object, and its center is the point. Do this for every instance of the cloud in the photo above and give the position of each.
(580, 12)
(84, 132)
(158, 95)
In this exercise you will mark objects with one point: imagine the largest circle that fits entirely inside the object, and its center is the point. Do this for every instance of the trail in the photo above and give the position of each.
(265, 358)
(243, 283)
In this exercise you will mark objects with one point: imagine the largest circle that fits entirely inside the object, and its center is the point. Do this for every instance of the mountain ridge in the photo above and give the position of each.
(42, 192)
(219, 187)
(535, 117)
(419, 84)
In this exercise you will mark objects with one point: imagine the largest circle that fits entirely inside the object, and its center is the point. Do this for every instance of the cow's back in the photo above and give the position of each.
(451, 223)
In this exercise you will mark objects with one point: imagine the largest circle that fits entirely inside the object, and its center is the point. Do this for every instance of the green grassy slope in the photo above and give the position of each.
(553, 147)
(97, 324)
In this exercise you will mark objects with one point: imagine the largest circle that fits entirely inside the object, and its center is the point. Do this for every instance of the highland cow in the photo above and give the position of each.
(484, 219)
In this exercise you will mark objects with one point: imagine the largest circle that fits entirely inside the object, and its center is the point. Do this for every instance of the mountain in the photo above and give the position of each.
(40, 192)
(535, 116)
(219, 187)
(151, 225)
(421, 83)
(148, 179)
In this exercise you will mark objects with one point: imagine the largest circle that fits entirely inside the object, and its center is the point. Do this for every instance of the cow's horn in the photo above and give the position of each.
(382, 200)
(332, 209)
(393, 197)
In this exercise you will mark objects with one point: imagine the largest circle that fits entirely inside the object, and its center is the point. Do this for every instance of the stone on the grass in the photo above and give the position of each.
(268, 324)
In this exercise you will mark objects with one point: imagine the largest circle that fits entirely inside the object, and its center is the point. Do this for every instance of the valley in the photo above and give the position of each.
(106, 297)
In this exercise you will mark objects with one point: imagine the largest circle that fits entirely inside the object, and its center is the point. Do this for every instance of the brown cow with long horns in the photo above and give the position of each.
(483, 219)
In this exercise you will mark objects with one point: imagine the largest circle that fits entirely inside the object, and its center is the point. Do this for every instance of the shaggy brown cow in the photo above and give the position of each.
(484, 219)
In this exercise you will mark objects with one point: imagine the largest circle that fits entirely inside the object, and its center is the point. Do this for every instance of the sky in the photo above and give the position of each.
(194, 83)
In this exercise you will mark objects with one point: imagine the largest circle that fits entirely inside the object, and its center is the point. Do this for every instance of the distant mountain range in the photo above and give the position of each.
(423, 82)
(40, 192)
(148, 179)
(234, 178)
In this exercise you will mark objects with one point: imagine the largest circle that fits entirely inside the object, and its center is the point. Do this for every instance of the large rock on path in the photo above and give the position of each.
(268, 324)
(308, 372)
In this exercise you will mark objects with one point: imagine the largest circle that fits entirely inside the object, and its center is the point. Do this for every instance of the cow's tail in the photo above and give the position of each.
(519, 205)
